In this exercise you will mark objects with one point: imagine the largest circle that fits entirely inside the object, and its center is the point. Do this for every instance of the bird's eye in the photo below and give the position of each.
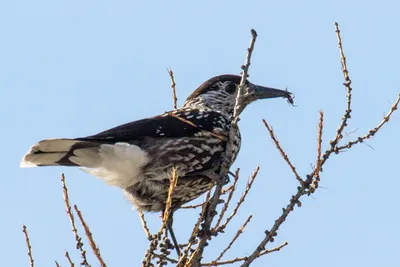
(230, 87)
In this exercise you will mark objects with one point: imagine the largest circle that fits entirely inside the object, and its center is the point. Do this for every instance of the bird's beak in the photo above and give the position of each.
(262, 92)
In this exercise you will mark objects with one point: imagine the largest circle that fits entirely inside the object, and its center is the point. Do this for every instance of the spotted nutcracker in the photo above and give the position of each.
(138, 156)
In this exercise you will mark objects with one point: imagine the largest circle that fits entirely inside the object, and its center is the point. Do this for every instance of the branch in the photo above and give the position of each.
(89, 235)
(195, 231)
(347, 84)
(245, 67)
(372, 132)
(284, 155)
(244, 258)
(172, 184)
(318, 167)
(192, 206)
(144, 224)
(285, 212)
(28, 244)
(225, 207)
(238, 233)
(69, 259)
(171, 75)
(78, 239)
(165, 258)
(241, 200)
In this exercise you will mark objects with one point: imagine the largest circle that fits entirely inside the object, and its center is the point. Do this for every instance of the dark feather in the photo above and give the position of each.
(167, 125)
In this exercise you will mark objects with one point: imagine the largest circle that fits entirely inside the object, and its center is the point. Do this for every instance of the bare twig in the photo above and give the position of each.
(78, 239)
(57, 264)
(163, 257)
(71, 263)
(238, 102)
(195, 231)
(144, 224)
(192, 206)
(154, 239)
(334, 143)
(285, 212)
(319, 148)
(347, 113)
(225, 207)
(28, 244)
(89, 235)
(372, 132)
(241, 200)
(227, 190)
(238, 233)
(174, 98)
(172, 184)
(228, 262)
(167, 218)
(347, 84)
(284, 155)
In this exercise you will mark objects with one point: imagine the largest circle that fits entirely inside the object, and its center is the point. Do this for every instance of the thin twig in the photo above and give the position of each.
(174, 98)
(167, 213)
(241, 200)
(89, 235)
(172, 184)
(78, 239)
(225, 207)
(192, 206)
(372, 132)
(227, 190)
(238, 233)
(319, 148)
(195, 231)
(347, 84)
(57, 264)
(244, 258)
(285, 212)
(71, 263)
(284, 155)
(28, 244)
(144, 224)
(163, 257)
(347, 113)
(238, 102)
(154, 239)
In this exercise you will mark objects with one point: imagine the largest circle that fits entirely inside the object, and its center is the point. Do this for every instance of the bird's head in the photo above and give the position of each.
(219, 94)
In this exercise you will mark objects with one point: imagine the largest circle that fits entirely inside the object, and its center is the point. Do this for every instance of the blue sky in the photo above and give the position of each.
(73, 68)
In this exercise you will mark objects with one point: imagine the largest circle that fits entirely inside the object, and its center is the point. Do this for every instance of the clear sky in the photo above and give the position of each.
(73, 68)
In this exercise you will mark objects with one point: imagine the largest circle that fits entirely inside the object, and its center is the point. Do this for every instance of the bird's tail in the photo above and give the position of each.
(118, 164)
(59, 152)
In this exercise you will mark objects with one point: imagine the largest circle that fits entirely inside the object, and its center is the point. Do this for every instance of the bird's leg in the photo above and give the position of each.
(168, 224)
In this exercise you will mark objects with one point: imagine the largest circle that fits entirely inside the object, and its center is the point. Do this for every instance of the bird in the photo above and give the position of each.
(138, 156)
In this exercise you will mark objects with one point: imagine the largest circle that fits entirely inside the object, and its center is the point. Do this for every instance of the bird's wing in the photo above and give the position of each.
(173, 124)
